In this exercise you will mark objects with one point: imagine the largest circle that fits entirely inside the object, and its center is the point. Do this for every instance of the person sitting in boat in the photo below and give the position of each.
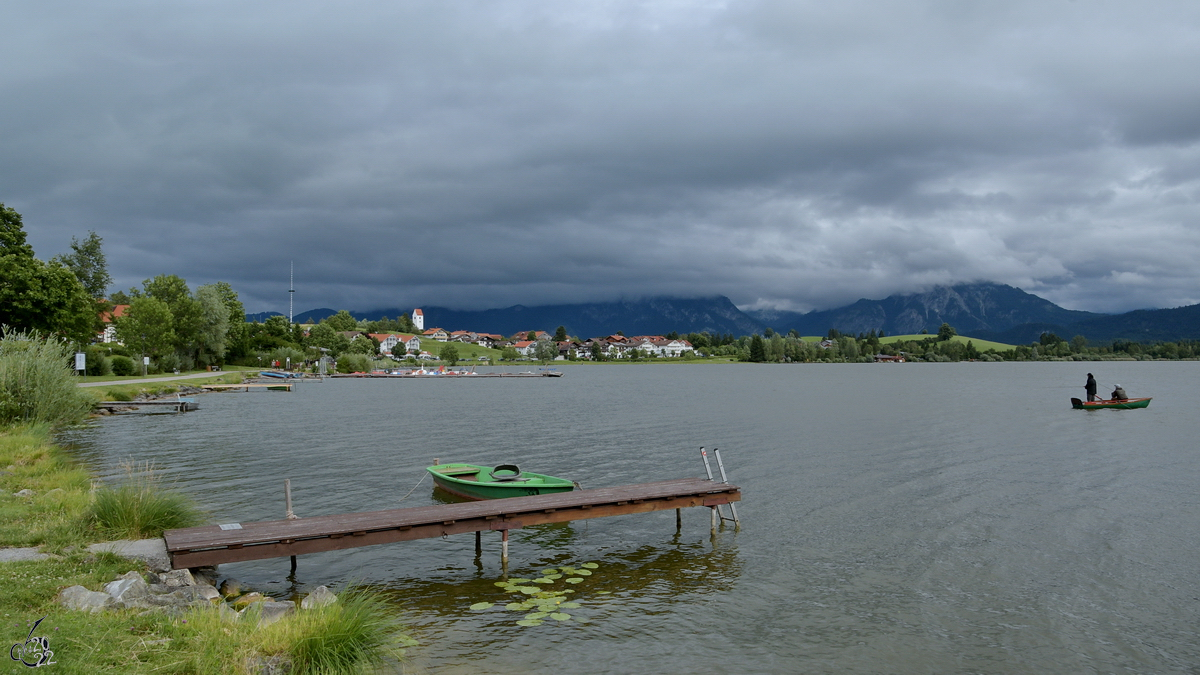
(1090, 387)
(1119, 394)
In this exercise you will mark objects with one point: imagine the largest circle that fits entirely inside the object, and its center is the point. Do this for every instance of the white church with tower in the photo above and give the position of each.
(418, 319)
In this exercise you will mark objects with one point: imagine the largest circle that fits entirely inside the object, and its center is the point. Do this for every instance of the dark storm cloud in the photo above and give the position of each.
(475, 154)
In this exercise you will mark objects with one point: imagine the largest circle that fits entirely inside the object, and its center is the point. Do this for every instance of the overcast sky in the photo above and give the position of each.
(790, 154)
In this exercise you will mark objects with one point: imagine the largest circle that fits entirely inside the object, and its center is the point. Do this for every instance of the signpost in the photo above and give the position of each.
(81, 364)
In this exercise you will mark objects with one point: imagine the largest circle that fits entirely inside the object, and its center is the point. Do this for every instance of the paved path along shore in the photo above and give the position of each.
(193, 376)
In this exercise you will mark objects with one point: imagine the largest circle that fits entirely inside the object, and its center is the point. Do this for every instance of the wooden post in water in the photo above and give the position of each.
(478, 542)
(287, 497)
(504, 548)
(678, 520)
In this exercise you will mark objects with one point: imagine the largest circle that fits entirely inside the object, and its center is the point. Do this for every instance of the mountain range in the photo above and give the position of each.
(985, 310)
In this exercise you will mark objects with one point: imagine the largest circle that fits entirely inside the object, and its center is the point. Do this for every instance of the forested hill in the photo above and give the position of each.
(1143, 325)
(649, 316)
(969, 308)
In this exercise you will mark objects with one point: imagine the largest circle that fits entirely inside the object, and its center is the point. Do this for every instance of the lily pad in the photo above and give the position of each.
(560, 616)
(528, 590)
(515, 606)
(483, 605)
(550, 570)
(574, 580)
(532, 616)
(529, 622)
(501, 584)
(603, 592)
(584, 573)
(543, 580)
(569, 605)
(590, 566)
(567, 570)
(553, 576)
(517, 581)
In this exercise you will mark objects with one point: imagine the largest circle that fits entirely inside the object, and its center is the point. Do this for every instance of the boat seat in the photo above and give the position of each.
(458, 471)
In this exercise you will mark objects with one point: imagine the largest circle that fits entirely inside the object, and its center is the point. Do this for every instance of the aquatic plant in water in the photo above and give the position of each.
(542, 602)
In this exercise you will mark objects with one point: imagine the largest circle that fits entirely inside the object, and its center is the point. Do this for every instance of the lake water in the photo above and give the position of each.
(915, 518)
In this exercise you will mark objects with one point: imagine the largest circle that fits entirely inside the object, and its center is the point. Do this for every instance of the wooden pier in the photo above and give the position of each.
(236, 542)
(247, 386)
(448, 375)
(168, 405)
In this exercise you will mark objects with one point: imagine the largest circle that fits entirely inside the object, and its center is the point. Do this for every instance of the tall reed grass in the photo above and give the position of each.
(36, 384)
(356, 634)
(140, 507)
(347, 636)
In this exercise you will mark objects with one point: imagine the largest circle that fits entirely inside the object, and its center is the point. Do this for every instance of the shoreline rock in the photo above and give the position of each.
(175, 592)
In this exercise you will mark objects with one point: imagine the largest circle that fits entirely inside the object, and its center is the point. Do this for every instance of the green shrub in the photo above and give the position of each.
(168, 362)
(286, 355)
(122, 365)
(97, 362)
(36, 381)
(140, 508)
(353, 363)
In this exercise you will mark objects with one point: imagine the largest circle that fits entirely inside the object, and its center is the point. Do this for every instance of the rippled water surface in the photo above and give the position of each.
(915, 518)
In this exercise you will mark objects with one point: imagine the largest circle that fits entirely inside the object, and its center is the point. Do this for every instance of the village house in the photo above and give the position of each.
(388, 342)
(437, 334)
(110, 330)
(489, 340)
(524, 347)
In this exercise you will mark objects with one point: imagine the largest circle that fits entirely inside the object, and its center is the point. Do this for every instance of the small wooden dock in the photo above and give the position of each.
(448, 375)
(182, 405)
(247, 386)
(237, 542)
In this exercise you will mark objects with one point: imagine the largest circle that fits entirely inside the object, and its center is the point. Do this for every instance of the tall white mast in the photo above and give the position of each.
(291, 291)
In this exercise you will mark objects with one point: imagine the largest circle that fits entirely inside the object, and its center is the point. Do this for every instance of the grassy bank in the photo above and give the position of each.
(64, 514)
(49, 502)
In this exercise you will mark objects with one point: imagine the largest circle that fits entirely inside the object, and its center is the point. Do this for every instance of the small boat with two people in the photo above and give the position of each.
(1110, 403)
(472, 481)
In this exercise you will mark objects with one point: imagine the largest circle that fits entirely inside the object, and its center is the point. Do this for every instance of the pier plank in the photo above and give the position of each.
(209, 545)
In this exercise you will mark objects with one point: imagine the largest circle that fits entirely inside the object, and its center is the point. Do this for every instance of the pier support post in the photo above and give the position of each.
(504, 547)
(714, 518)
(287, 498)
(678, 519)
(478, 542)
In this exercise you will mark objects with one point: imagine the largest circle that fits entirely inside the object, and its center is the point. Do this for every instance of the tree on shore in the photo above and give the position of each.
(147, 327)
(758, 350)
(449, 353)
(545, 350)
(36, 295)
(87, 262)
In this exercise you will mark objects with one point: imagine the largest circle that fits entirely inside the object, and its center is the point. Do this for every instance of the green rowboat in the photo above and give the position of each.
(507, 480)
(1103, 404)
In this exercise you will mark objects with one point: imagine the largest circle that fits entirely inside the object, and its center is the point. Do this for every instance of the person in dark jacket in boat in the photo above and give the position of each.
(1119, 394)
(1090, 387)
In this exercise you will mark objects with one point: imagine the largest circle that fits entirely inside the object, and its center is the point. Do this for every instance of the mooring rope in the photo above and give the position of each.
(415, 486)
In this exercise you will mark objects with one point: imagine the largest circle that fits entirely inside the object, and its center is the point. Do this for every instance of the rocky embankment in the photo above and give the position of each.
(175, 592)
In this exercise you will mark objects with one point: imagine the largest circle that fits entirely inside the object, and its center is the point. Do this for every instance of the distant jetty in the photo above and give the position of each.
(447, 374)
